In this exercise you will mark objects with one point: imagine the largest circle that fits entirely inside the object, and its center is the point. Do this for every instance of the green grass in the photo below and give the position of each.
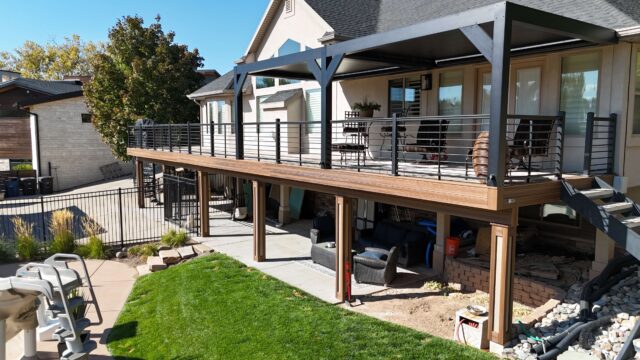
(216, 308)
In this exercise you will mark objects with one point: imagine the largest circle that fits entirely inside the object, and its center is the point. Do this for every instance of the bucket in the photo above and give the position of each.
(451, 246)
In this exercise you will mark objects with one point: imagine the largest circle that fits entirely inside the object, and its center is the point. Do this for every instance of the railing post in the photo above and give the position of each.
(225, 140)
(258, 138)
(44, 225)
(561, 116)
(170, 142)
(439, 148)
(278, 141)
(394, 144)
(189, 137)
(120, 217)
(588, 144)
(612, 139)
(300, 144)
(211, 137)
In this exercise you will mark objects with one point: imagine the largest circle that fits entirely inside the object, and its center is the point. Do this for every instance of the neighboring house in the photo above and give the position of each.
(65, 143)
(450, 115)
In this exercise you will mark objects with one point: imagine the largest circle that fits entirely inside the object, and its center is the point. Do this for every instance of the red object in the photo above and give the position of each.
(347, 280)
(452, 246)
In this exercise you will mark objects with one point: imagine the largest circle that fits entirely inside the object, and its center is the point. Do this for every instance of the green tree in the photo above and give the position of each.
(51, 61)
(141, 74)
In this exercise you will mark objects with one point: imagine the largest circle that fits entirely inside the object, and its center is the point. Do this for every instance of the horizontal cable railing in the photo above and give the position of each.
(443, 147)
(600, 142)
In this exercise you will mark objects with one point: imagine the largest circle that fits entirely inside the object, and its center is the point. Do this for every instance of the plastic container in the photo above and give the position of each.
(29, 186)
(452, 246)
(13, 187)
(45, 185)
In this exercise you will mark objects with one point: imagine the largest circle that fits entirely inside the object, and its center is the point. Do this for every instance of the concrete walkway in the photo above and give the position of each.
(288, 259)
(112, 282)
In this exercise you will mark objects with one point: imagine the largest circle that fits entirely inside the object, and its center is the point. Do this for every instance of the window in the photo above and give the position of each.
(260, 111)
(221, 116)
(404, 96)
(528, 91)
(289, 47)
(86, 118)
(485, 93)
(312, 107)
(579, 90)
(450, 93)
(264, 82)
(209, 118)
(636, 107)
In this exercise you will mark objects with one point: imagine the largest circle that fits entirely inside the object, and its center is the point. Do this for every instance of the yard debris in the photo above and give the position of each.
(170, 257)
(155, 263)
(186, 252)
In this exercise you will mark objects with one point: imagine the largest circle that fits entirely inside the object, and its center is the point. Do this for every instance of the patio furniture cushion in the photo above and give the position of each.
(323, 229)
(411, 241)
(374, 255)
(369, 269)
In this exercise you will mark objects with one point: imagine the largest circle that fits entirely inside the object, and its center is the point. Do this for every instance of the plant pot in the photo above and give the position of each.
(366, 113)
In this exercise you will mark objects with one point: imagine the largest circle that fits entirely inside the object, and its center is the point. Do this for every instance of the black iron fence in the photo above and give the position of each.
(442, 147)
(113, 214)
(600, 144)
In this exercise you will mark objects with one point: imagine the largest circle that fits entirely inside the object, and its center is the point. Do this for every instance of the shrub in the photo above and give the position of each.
(60, 226)
(7, 253)
(94, 248)
(145, 250)
(22, 167)
(27, 246)
(175, 238)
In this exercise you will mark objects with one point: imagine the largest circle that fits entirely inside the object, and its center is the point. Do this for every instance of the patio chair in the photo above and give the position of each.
(323, 230)
(376, 266)
(531, 138)
(431, 139)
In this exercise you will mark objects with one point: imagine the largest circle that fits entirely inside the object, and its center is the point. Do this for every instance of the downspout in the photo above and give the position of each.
(34, 117)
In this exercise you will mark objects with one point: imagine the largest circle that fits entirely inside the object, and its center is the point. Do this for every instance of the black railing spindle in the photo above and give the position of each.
(394, 145)
(278, 141)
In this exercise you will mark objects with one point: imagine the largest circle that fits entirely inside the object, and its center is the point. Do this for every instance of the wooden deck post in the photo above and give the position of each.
(139, 168)
(443, 229)
(259, 213)
(604, 252)
(204, 195)
(284, 212)
(503, 255)
(344, 237)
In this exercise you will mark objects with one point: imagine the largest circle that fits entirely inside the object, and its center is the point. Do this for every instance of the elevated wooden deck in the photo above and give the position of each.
(461, 198)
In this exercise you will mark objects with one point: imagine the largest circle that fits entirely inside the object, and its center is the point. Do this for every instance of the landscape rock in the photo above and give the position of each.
(164, 247)
(169, 257)
(155, 263)
(143, 269)
(121, 255)
(192, 241)
(186, 252)
(202, 249)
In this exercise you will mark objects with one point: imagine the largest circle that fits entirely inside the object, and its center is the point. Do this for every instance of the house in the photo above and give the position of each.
(48, 123)
(511, 114)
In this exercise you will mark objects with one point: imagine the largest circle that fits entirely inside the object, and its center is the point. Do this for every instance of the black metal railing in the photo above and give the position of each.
(600, 144)
(442, 147)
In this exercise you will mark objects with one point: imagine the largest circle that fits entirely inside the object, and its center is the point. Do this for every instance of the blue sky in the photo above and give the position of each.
(221, 30)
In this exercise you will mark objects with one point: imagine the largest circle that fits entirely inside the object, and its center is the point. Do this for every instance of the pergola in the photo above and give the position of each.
(494, 33)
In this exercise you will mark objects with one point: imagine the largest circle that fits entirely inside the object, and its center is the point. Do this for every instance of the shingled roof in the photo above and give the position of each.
(43, 86)
(355, 18)
(221, 85)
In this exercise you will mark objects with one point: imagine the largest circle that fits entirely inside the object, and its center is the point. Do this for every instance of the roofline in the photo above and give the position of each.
(11, 71)
(51, 98)
(215, 92)
(13, 83)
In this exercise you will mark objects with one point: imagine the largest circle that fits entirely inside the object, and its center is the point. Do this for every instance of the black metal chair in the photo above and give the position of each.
(531, 138)
(431, 139)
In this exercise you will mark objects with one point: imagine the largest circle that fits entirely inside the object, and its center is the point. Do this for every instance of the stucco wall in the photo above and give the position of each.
(73, 148)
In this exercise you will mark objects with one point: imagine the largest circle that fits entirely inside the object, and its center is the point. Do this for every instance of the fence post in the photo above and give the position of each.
(44, 225)
(588, 144)
(120, 216)
(394, 144)
(189, 138)
(170, 142)
(277, 141)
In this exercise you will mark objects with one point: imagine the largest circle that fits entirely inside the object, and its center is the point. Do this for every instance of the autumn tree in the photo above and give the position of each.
(51, 61)
(142, 73)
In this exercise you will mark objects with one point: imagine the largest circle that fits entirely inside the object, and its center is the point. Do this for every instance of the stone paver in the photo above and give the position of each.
(112, 282)
(186, 252)
(143, 270)
(169, 257)
(202, 249)
(155, 263)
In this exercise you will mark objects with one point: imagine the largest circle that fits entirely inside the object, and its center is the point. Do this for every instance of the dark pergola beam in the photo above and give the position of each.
(284, 75)
(480, 39)
(557, 24)
(274, 63)
(393, 60)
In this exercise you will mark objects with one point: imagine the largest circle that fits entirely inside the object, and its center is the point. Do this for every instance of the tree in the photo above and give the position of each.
(141, 74)
(51, 61)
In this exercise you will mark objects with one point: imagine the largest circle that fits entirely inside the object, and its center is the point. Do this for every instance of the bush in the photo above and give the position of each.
(145, 250)
(60, 226)
(175, 238)
(7, 253)
(27, 246)
(93, 249)
(22, 167)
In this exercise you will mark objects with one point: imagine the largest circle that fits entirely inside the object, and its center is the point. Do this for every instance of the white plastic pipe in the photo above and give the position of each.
(29, 344)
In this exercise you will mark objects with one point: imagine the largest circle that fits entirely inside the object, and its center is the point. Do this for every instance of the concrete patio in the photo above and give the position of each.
(288, 259)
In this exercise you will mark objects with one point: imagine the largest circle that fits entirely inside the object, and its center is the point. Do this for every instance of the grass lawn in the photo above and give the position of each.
(217, 308)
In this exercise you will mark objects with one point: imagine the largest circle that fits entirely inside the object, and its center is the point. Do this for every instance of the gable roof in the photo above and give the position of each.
(49, 98)
(355, 18)
(221, 85)
(43, 86)
(282, 96)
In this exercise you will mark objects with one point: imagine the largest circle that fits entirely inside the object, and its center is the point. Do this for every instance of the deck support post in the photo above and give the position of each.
(139, 168)
(259, 213)
(284, 211)
(503, 255)
(604, 252)
(204, 195)
(239, 79)
(344, 238)
(443, 229)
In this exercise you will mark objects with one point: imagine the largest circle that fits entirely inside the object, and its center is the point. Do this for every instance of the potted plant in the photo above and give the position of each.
(366, 107)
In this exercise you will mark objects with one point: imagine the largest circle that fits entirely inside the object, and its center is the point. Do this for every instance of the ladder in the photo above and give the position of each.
(66, 303)
(608, 210)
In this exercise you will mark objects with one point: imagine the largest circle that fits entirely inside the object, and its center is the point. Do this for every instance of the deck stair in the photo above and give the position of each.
(608, 210)
(66, 302)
